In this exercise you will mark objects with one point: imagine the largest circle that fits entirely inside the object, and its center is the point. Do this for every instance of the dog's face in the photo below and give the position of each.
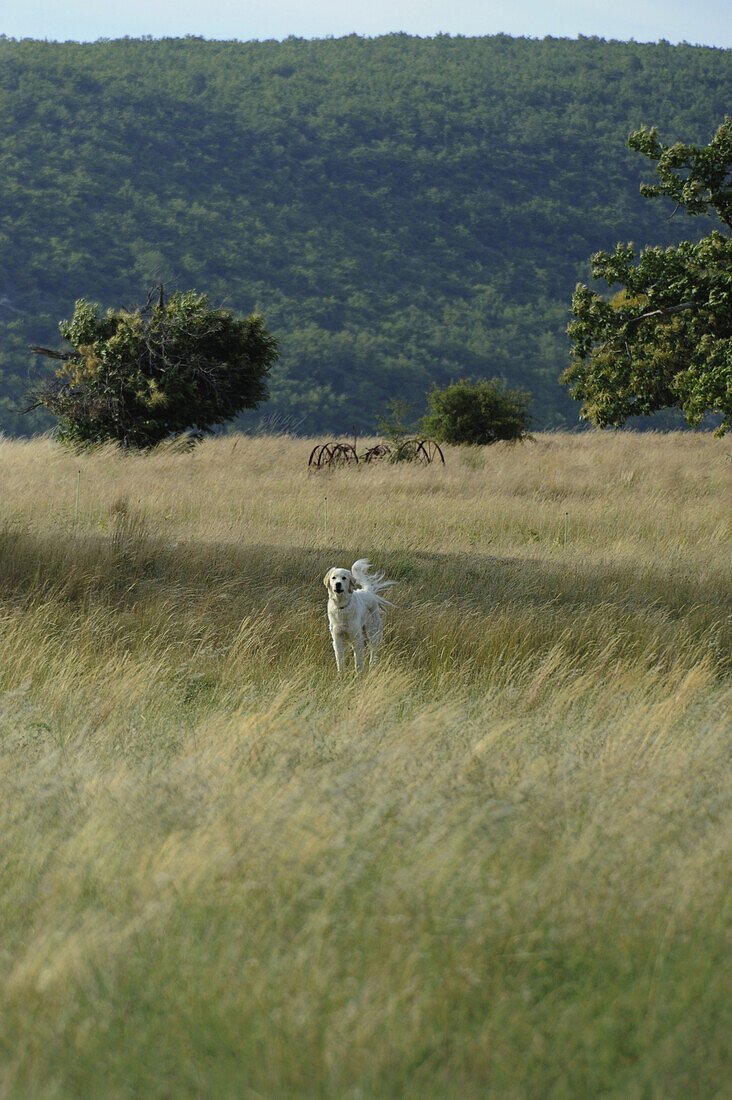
(338, 581)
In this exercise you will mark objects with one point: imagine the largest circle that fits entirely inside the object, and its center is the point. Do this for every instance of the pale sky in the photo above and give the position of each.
(707, 22)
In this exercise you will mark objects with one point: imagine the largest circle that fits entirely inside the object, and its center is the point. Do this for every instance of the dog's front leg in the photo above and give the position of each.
(339, 649)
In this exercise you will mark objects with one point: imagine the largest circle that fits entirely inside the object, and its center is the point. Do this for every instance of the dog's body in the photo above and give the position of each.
(354, 613)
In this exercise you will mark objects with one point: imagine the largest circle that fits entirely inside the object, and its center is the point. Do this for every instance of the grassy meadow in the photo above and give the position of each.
(495, 865)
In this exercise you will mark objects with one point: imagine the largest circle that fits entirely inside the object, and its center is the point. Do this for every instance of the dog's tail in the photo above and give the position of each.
(372, 581)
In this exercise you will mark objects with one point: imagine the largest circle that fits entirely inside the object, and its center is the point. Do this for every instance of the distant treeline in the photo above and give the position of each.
(403, 211)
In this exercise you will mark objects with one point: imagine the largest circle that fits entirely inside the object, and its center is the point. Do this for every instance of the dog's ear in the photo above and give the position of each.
(326, 578)
(350, 580)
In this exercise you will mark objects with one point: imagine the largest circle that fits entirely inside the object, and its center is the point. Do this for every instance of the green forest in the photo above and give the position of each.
(402, 211)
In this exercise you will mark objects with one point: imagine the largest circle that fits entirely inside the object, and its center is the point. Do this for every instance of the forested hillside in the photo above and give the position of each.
(402, 210)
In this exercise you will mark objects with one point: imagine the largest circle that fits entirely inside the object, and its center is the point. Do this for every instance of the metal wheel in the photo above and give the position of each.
(429, 451)
(332, 454)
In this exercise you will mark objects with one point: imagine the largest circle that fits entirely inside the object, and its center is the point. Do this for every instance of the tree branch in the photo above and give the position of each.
(65, 355)
(623, 333)
(664, 312)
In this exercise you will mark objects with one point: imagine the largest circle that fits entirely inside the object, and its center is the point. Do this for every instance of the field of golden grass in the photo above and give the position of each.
(496, 865)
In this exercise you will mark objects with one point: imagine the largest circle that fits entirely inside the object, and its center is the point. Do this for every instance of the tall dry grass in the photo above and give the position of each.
(496, 865)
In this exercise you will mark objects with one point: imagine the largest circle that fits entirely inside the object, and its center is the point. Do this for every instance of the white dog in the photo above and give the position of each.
(355, 611)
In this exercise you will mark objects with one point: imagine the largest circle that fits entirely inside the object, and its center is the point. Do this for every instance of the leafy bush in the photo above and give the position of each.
(142, 376)
(478, 413)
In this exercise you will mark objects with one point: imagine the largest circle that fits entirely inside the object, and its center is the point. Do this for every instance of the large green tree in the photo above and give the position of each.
(140, 376)
(664, 340)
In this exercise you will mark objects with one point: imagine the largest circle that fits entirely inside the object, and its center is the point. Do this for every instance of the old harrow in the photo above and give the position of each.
(330, 455)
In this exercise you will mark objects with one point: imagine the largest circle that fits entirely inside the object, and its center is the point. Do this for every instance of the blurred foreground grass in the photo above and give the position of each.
(496, 865)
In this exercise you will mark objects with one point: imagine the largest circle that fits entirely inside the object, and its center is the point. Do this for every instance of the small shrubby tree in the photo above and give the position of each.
(477, 412)
(142, 376)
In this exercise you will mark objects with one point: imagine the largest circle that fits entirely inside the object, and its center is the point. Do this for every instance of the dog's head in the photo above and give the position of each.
(339, 582)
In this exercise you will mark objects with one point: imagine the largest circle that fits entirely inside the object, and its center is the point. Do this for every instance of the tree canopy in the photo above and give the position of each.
(404, 211)
(664, 340)
(141, 376)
